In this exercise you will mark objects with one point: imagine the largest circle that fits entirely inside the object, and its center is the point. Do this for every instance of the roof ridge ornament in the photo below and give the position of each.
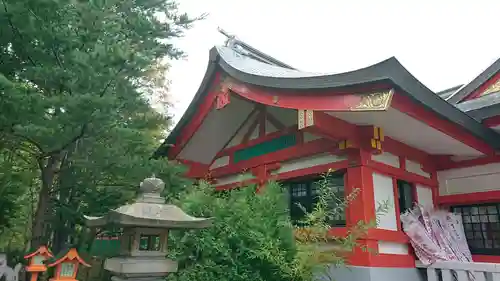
(242, 48)
(231, 38)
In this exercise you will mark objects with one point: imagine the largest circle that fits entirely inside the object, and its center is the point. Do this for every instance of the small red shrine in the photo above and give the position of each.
(255, 118)
(66, 265)
(36, 261)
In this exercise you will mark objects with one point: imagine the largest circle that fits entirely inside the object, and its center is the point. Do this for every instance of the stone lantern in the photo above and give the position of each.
(145, 225)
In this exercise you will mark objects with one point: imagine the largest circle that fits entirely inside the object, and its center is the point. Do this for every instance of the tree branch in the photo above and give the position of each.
(31, 141)
(112, 80)
(16, 31)
(70, 142)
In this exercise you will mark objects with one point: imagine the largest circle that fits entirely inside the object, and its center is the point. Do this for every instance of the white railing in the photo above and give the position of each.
(462, 271)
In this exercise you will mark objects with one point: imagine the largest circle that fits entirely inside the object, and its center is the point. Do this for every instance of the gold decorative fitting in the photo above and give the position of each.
(306, 118)
(276, 99)
(345, 144)
(495, 87)
(374, 101)
(309, 118)
(301, 121)
(378, 133)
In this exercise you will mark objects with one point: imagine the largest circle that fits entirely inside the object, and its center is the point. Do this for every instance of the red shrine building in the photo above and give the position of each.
(382, 131)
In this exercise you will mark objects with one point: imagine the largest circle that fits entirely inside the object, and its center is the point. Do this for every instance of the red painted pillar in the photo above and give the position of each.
(362, 207)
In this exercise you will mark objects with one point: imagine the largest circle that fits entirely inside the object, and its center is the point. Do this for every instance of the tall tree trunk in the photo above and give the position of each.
(48, 171)
(66, 182)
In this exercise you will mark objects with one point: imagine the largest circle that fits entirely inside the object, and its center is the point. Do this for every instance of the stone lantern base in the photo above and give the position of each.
(139, 268)
(116, 278)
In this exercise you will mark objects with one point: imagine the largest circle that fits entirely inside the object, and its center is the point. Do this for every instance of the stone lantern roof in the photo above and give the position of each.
(149, 210)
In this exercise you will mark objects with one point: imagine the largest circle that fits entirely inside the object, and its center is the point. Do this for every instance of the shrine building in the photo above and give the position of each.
(255, 118)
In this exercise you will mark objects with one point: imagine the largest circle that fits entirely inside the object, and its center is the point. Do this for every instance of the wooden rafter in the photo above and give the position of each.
(251, 129)
(262, 121)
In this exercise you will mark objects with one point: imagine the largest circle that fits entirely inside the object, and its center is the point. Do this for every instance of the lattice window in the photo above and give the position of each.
(482, 227)
(304, 192)
(149, 243)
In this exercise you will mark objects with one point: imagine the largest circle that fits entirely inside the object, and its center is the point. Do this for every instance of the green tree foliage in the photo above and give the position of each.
(252, 237)
(76, 81)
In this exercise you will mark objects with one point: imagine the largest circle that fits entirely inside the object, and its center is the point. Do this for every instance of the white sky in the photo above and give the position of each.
(441, 42)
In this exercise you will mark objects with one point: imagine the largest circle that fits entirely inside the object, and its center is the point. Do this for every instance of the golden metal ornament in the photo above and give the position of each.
(301, 117)
(309, 118)
(374, 101)
(305, 118)
(276, 99)
(495, 87)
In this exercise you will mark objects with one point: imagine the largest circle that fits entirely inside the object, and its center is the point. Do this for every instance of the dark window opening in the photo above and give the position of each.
(405, 196)
(304, 193)
(149, 243)
(481, 227)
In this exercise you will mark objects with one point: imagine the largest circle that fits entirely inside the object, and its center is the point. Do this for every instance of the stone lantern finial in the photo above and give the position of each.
(150, 190)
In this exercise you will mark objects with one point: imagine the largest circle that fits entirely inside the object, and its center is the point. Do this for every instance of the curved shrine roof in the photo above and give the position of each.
(252, 68)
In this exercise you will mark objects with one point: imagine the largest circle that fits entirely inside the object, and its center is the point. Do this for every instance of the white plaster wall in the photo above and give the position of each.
(234, 178)
(217, 129)
(270, 128)
(307, 162)
(286, 116)
(416, 168)
(424, 195)
(469, 180)
(220, 162)
(385, 247)
(384, 192)
(387, 158)
(238, 137)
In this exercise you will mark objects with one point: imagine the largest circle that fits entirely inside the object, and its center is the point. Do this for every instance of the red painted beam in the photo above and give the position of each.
(315, 170)
(417, 112)
(196, 170)
(197, 120)
(326, 100)
(484, 258)
(298, 151)
(470, 198)
(334, 127)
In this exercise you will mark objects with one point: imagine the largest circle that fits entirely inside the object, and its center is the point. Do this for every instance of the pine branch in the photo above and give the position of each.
(31, 141)
(17, 32)
(70, 142)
